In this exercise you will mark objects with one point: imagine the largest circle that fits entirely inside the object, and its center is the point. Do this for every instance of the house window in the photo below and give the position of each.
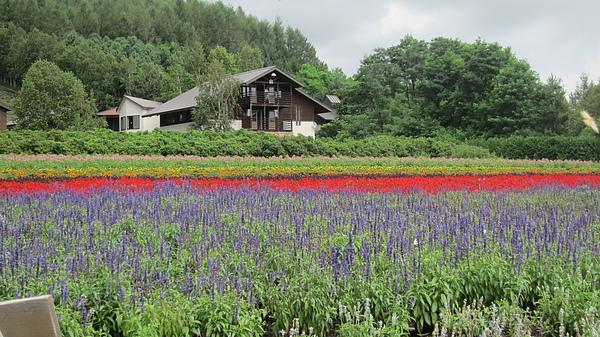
(298, 116)
(130, 122)
(176, 118)
(133, 122)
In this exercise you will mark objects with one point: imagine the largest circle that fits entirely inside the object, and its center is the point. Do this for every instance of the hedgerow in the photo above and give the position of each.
(238, 143)
(244, 143)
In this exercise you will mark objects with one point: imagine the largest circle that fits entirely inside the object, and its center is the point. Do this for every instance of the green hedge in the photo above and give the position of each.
(238, 143)
(552, 148)
(261, 144)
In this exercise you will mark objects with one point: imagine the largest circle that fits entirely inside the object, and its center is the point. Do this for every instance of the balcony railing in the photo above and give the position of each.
(277, 98)
(267, 124)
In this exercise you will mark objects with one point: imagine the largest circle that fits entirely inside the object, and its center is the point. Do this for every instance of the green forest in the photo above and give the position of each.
(157, 49)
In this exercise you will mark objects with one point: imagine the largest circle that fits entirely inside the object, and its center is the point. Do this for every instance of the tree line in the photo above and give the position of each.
(449, 88)
(153, 49)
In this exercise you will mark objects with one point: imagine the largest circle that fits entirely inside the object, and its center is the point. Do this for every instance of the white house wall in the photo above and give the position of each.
(305, 128)
(129, 108)
(183, 127)
(150, 123)
(236, 124)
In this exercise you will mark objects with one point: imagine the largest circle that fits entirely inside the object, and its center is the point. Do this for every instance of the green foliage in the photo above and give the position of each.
(118, 48)
(358, 321)
(319, 83)
(447, 86)
(226, 316)
(54, 100)
(218, 104)
(552, 148)
(305, 297)
(260, 144)
(237, 143)
(160, 317)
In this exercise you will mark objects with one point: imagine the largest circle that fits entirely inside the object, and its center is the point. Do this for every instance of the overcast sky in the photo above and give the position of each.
(556, 37)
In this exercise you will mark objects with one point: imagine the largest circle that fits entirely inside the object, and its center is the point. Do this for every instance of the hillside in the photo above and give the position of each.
(154, 49)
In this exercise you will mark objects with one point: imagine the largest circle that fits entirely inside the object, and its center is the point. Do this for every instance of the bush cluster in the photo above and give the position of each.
(238, 143)
(262, 144)
(552, 148)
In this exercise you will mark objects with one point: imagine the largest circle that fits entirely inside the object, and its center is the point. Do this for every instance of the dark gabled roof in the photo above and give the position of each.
(253, 75)
(5, 107)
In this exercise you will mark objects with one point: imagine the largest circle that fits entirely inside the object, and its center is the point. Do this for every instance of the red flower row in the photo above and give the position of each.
(429, 184)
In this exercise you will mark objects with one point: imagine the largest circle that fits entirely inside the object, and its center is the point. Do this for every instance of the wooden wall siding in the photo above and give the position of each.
(307, 108)
(2, 119)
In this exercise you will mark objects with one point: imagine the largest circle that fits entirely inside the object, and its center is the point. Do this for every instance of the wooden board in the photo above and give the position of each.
(29, 317)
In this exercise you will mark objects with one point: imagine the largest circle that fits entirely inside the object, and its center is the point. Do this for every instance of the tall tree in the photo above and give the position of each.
(219, 57)
(52, 99)
(217, 101)
(248, 59)
(319, 83)
(176, 81)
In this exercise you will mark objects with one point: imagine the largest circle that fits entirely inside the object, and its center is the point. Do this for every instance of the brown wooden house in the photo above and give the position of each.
(271, 101)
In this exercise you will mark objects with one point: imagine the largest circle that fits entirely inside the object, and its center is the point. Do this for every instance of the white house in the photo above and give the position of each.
(131, 112)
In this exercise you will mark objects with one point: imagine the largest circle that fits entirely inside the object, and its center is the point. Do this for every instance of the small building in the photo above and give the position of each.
(330, 101)
(112, 118)
(271, 101)
(4, 109)
(131, 110)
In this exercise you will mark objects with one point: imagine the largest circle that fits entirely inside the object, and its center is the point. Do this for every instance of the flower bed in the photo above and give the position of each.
(349, 254)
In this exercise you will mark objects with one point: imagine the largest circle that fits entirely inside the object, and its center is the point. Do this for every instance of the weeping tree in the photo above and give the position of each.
(217, 103)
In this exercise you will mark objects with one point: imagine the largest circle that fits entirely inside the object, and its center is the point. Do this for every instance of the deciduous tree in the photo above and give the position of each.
(52, 99)
(217, 101)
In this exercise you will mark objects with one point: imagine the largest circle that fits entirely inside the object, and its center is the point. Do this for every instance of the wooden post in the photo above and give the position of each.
(29, 317)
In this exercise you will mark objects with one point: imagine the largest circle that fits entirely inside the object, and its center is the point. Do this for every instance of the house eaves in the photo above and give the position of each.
(324, 108)
(187, 100)
(5, 107)
(144, 103)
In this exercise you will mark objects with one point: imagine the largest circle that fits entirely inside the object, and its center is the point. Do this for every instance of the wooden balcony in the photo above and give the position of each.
(262, 98)
(268, 124)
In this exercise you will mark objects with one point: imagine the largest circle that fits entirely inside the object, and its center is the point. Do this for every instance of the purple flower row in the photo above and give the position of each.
(132, 246)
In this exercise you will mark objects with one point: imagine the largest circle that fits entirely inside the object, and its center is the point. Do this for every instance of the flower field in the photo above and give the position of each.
(189, 246)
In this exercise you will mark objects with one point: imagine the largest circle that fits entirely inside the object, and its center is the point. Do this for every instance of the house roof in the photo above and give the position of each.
(5, 106)
(144, 103)
(332, 99)
(324, 108)
(253, 75)
(329, 116)
(187, 100)
(111, 112)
